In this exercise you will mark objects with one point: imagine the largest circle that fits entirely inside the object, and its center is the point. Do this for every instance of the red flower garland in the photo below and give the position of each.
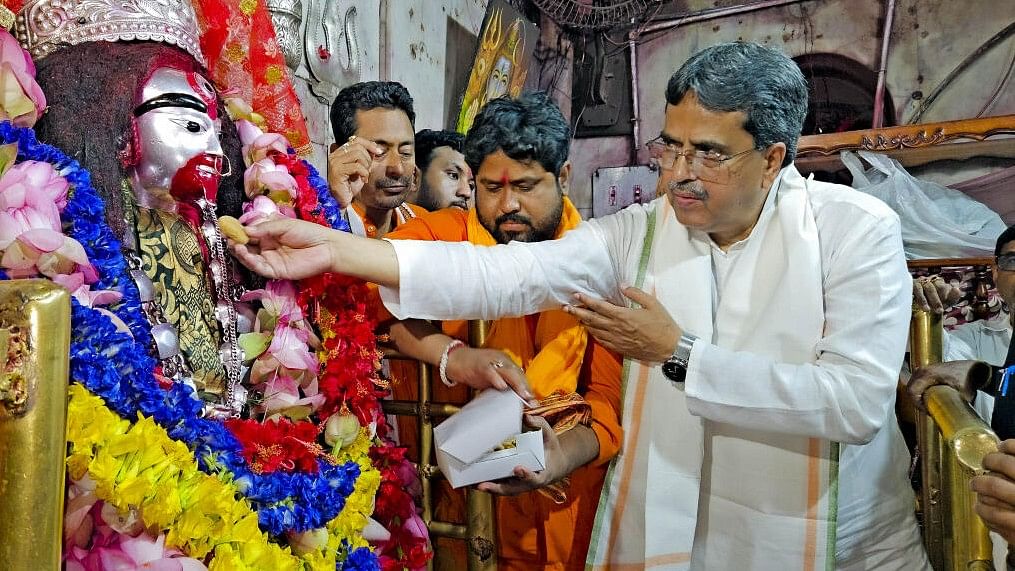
(278, 445)
(349, 382)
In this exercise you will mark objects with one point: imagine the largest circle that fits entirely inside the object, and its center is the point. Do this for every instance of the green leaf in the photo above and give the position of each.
(253, 344)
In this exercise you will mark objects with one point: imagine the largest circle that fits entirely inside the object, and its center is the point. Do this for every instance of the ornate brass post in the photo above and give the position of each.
(480, 521)
(953, 442)
(34, 349)
(479, 531)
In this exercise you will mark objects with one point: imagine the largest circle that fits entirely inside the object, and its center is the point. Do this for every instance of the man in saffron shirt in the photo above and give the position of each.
(513, 145)
(373, 161)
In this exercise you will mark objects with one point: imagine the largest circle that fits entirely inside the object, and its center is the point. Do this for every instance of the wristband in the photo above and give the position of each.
(443, 368)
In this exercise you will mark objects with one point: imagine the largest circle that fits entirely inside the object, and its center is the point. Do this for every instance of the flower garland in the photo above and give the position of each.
(139, 467)
(288, 502)
(112, 364)
(349, 357)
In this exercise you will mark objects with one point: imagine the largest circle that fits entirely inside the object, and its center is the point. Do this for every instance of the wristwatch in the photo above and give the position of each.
(675, 368)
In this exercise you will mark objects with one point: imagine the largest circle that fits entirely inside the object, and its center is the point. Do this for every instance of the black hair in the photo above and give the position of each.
(365, 96)
(530, 127)
(427, 140)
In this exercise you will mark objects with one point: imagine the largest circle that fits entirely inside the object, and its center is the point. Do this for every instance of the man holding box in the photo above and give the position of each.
(518, 148)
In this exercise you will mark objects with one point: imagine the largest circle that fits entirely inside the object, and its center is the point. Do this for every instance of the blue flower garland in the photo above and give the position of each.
(118, 368)
(327, 202)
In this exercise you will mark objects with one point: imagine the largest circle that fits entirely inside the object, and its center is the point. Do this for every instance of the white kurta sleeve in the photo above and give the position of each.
(445, 280)
(846, 394)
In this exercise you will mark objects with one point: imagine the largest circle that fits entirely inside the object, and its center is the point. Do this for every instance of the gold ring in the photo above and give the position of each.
(352, 138)
(496, 364)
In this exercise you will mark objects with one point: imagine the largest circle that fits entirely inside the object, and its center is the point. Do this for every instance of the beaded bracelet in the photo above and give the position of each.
(443, 368)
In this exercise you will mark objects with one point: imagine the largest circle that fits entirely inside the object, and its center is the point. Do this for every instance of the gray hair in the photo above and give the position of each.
(762, 82)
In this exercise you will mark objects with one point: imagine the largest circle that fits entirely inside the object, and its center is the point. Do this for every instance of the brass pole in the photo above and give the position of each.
(480, 521)
(34, 349)
(953, 441)
(925, 348)
(446, 529)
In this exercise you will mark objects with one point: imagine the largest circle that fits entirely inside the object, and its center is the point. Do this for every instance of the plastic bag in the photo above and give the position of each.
(937, 222)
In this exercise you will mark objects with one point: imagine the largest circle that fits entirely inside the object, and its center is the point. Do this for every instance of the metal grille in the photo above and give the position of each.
(593, 14)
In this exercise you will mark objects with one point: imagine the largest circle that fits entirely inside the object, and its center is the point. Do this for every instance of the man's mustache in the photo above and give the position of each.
(389, 182)
(518, 218)
(688, 189)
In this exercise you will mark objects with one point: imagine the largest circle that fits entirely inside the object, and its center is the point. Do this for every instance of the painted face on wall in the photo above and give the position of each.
(500, 76)
(178, 150)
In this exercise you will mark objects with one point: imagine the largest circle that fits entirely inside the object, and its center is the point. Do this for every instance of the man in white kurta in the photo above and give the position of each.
(704, 475)
(771, 443)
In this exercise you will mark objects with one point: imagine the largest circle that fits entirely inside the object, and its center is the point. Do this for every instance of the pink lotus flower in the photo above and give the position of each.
(48, 253)
(263, 208)
(126, 553)
(32, 195)
(99, 538)
(289, 346)
(258, 145)
(282, 397)
(265, 176)
(278, 299)
(75, 284)
(21, 98)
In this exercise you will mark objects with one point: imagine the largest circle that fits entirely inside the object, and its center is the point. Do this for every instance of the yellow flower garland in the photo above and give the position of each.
(137, 465)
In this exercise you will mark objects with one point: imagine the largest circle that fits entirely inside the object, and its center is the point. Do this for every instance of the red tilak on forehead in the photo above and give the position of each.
(204, 94)
(504, 178)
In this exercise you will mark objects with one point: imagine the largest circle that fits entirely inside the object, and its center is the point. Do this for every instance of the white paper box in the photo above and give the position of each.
(497, 464)
(465, 440)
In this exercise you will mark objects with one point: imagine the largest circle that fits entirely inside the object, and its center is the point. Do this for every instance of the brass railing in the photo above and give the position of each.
(34, 349)
(952, 443)
(479, 531)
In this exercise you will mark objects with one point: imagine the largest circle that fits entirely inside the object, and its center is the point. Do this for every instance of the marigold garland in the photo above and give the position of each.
(137, 465)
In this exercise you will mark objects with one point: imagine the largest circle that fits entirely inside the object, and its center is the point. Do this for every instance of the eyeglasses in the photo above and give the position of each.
(708, 166)
(1006, 262)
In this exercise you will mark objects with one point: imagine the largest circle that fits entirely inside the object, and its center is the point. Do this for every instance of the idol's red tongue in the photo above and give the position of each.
(199, 178)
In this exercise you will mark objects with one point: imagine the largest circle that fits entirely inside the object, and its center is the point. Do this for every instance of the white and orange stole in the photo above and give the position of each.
(679, 495)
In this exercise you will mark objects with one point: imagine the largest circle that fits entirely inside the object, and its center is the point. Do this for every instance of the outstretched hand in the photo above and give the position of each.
(645, 333)
(286, 248)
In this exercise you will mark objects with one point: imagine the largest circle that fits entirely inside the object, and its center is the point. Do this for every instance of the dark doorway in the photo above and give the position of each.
(841, 94)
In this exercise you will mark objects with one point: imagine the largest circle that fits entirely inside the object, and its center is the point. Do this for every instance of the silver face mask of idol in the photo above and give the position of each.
(176, 121)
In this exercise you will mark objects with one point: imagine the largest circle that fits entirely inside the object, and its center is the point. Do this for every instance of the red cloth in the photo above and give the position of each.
(245, 61)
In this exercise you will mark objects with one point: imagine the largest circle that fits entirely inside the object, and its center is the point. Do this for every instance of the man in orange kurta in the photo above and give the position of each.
(518, 149)
(372, 166)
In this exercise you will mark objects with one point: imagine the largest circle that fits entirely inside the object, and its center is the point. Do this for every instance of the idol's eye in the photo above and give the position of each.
(191, 126)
